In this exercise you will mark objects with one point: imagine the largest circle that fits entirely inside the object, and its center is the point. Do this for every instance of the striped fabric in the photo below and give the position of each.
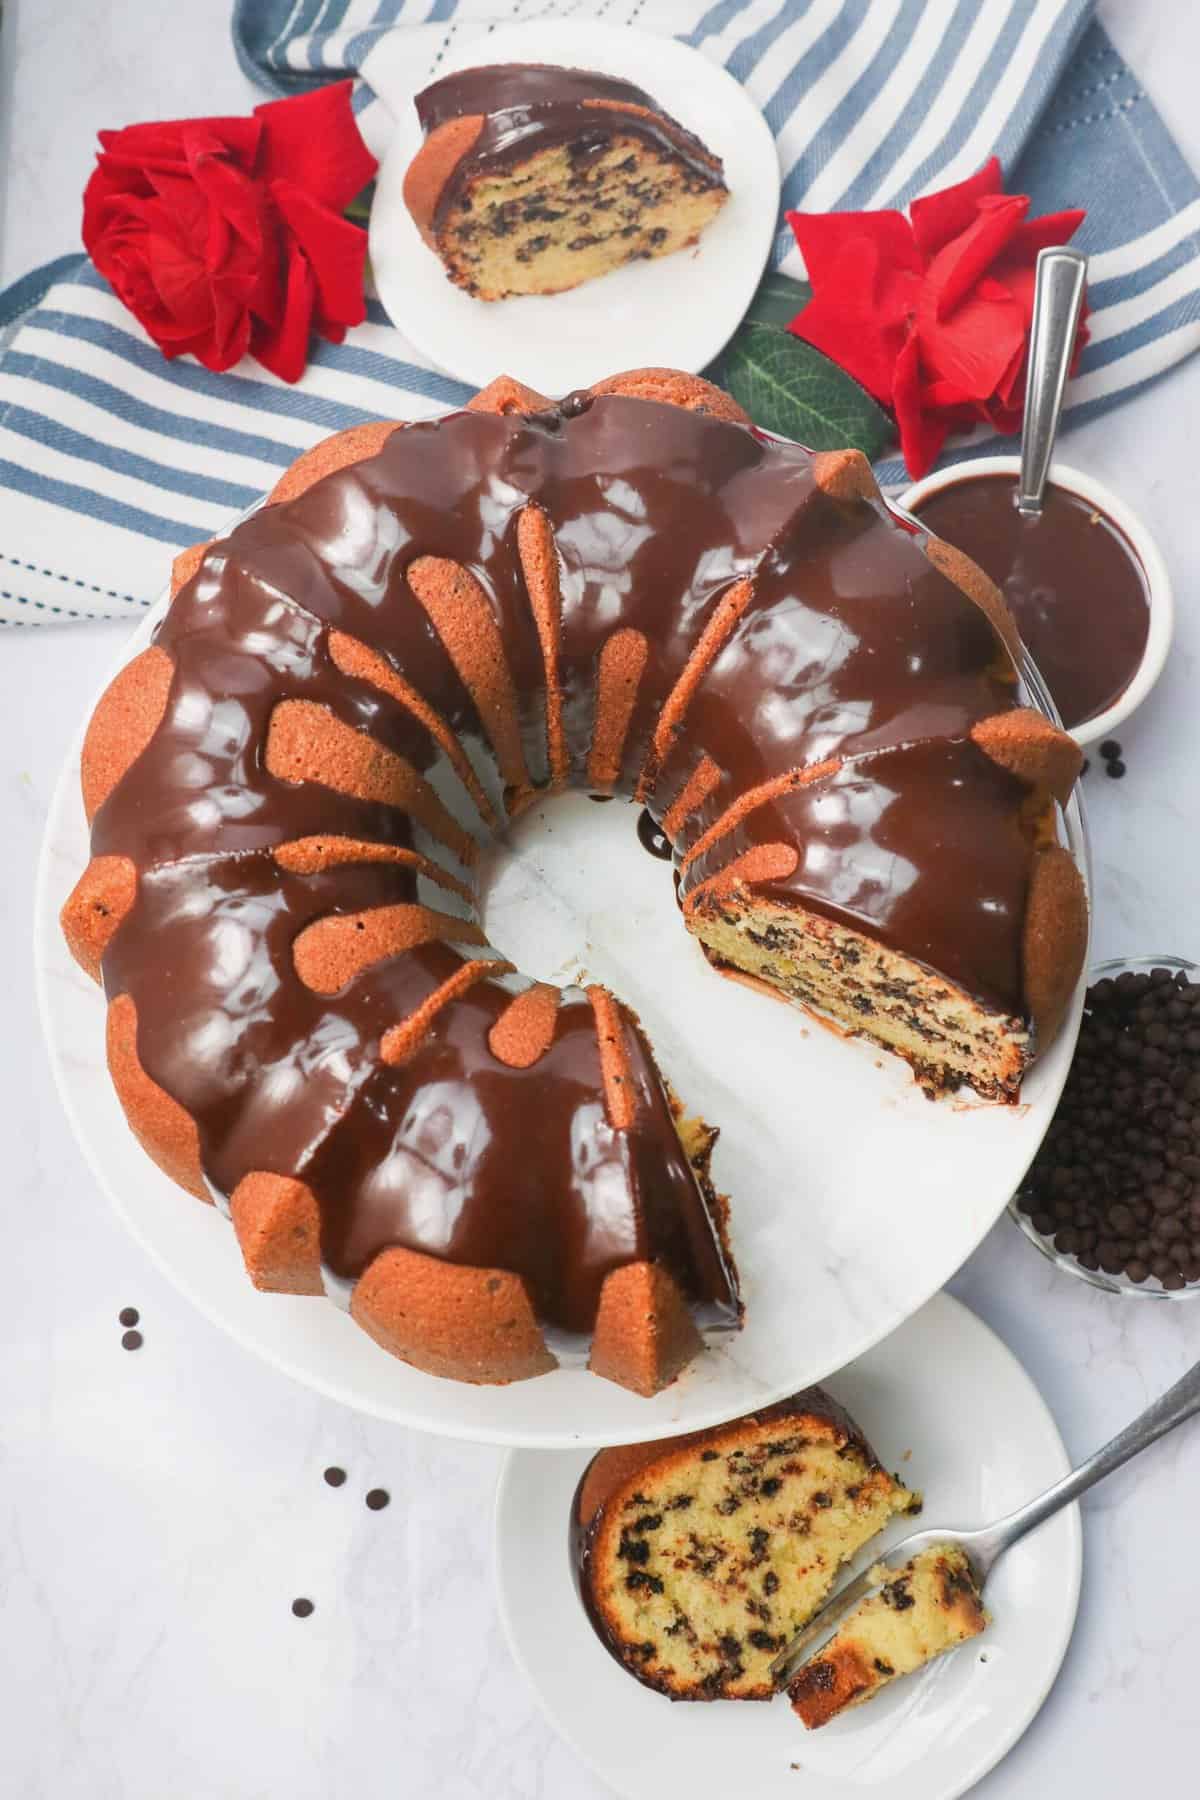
(111, 458)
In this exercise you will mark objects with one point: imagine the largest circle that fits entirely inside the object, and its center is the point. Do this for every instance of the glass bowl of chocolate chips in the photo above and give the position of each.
(1113, 1194)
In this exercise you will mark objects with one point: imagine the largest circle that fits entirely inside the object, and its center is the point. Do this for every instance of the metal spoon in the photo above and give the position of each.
(1057, 299)
(984, 1547)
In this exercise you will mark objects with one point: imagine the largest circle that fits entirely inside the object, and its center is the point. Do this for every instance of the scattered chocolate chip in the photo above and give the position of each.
(1086, 766)
(377, 1499)
(1115, 768)
(334, 1476)
(1110, 749)
(131, 1340)
(129, 1315)
(302, 1608)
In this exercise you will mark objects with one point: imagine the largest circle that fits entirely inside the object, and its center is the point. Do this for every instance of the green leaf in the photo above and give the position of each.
(778, 300)
(788, 387)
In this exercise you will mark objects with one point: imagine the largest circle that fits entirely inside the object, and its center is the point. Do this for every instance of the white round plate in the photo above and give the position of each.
(943, 1387)
(678, 311)
(854, 1197)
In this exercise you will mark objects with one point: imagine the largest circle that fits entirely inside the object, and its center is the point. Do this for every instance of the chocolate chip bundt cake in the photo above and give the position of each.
(630, 591)
(698, 1559)
(917, 1613)
(533, 179)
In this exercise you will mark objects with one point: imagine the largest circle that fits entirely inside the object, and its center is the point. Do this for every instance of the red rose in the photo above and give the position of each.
(932, 316)
(225, 236)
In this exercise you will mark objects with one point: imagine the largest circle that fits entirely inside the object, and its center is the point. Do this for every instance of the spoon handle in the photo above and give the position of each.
(1057, 298)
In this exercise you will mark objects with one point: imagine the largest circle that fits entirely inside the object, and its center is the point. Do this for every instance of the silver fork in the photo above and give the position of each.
(984, 1547)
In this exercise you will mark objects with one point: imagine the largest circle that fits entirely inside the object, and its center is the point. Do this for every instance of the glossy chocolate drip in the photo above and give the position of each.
(527, 107)
(850, 645)
(1072, 581)
(922, 847)
(652, 837)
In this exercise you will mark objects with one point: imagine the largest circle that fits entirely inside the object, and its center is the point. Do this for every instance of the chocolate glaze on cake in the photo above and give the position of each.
(355, 689)
(531, 106)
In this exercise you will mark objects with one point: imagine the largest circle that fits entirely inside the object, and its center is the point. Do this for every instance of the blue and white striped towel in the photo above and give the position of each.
(112, 458)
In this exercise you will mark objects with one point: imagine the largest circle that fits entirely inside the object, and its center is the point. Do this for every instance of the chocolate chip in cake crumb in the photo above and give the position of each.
(584, 241)
(708, 1456)
(658, 235)
(729, 1505)
(638, 1582)
(680, 1503)
(770, 1582)
(770, 1486)
(883, 1668)
(634, 1550)
(647, 1522)
(821, 1500)
(763, 1640)
(896, 1595)
(759, 1539)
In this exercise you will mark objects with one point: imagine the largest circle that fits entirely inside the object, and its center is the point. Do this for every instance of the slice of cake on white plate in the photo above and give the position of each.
(929, 1606)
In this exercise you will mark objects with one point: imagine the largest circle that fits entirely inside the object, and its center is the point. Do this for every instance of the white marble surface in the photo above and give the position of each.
(158, 1512)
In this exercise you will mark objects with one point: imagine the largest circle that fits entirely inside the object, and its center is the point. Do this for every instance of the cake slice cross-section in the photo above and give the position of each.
(917, 1613)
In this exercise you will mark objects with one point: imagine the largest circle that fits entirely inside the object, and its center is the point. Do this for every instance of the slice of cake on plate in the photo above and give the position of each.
(698, 1558)
(929, 1606)
(533, 179)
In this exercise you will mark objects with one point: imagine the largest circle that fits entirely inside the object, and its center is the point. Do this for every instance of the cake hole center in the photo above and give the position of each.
(571, 896)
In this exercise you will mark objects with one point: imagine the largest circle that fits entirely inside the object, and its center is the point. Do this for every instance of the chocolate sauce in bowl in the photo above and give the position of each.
(1072, 579)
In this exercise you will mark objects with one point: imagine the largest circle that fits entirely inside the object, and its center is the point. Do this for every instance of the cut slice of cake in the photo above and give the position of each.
(930, 1606)
(697, 1559)
(533, 179)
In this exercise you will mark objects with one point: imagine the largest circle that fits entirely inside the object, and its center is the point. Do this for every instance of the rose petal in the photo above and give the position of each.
(283, 347)
(312, 140)
(942, 216)
(336, 252)
(921, 434)
(861, 316)
(973, 348)
(1038, 234)
(955, 270)
(823, 236)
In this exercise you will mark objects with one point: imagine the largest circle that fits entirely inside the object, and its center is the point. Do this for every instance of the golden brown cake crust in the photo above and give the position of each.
(644, 1332)
(434, 165)
(728, 1536)
(473, 1325)
(615, 1468)
(278, 1229)
(127, 716)
(845, 1674)
(165, 1131)
(1054, 942)
(98, 902)
(671, 388)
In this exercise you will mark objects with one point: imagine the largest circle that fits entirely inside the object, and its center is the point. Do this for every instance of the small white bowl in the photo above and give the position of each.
(1158, 582)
